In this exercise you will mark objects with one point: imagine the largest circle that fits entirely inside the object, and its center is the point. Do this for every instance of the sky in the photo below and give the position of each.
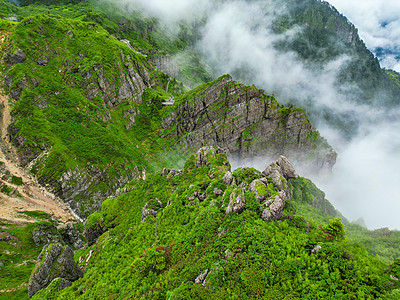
(378, 22)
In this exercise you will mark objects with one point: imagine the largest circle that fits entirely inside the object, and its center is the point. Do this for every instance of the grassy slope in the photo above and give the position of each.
(310, 203)
(249, 258)
(54, 111)
(18, 256)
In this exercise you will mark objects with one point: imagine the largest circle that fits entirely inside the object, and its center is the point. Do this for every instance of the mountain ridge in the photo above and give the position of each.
(90, 121)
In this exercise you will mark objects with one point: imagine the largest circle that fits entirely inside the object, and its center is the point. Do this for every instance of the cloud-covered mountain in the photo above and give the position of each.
(378, 22)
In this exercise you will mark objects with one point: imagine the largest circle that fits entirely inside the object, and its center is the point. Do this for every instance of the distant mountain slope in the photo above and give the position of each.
(328, 34)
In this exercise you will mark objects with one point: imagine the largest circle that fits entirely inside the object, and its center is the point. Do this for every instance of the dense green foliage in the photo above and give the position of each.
(246, 258)
(65, 91)
(18, 255)
(310, 203)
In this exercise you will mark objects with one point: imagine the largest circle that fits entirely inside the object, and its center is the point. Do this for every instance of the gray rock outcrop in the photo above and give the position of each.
(204, 156)
(93, 233)
(71, 235)
(274, 208)
(228, 179)
(66, 234)
(280, 171)
(274, 172)
(151, 208)
(146, 211)
(246, 123)
(260, 188)
(16, 57)
(54, 261)
(316, 249)
(46, 234)
(200, 279)
(237, 201)
(171, 172)
(286, 168)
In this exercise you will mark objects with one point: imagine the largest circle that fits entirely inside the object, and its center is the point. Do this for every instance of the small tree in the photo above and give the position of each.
(335, 228)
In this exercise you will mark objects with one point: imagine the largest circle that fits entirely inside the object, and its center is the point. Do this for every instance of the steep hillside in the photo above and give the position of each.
(91, 117)
(76, 92)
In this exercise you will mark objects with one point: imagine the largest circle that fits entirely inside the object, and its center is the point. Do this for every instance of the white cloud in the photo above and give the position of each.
(378, 22)
(365, 177)
(168, 11)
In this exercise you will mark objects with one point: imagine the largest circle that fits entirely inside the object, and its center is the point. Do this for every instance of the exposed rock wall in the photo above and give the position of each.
(55, 261)
(246, 123)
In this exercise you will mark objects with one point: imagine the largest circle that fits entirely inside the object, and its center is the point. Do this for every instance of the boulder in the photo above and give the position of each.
(46, 234)
(281, 166)
(274, 172)
(228, 179)
(16, 57)
(200, 279)
(146, 211)
(237, 201)
(54, 261)
(260, 188)
(171, 173)
(71, 235)
(286, 168)
(280, 171)
(218, 192)
(204, 156)
(274, 208)
(316, 249)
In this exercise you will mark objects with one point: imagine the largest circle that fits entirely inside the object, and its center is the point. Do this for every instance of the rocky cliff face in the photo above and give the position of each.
(76, 90)
(55, 261)
(246, 123)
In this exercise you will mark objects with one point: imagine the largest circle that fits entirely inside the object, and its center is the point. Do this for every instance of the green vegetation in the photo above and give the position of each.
(245, 257)
(381, 243)
(5, 189)
(18, 254)
(67, 101)
(311, 204)
(326, 35)
(16, 180)
(37, 214)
